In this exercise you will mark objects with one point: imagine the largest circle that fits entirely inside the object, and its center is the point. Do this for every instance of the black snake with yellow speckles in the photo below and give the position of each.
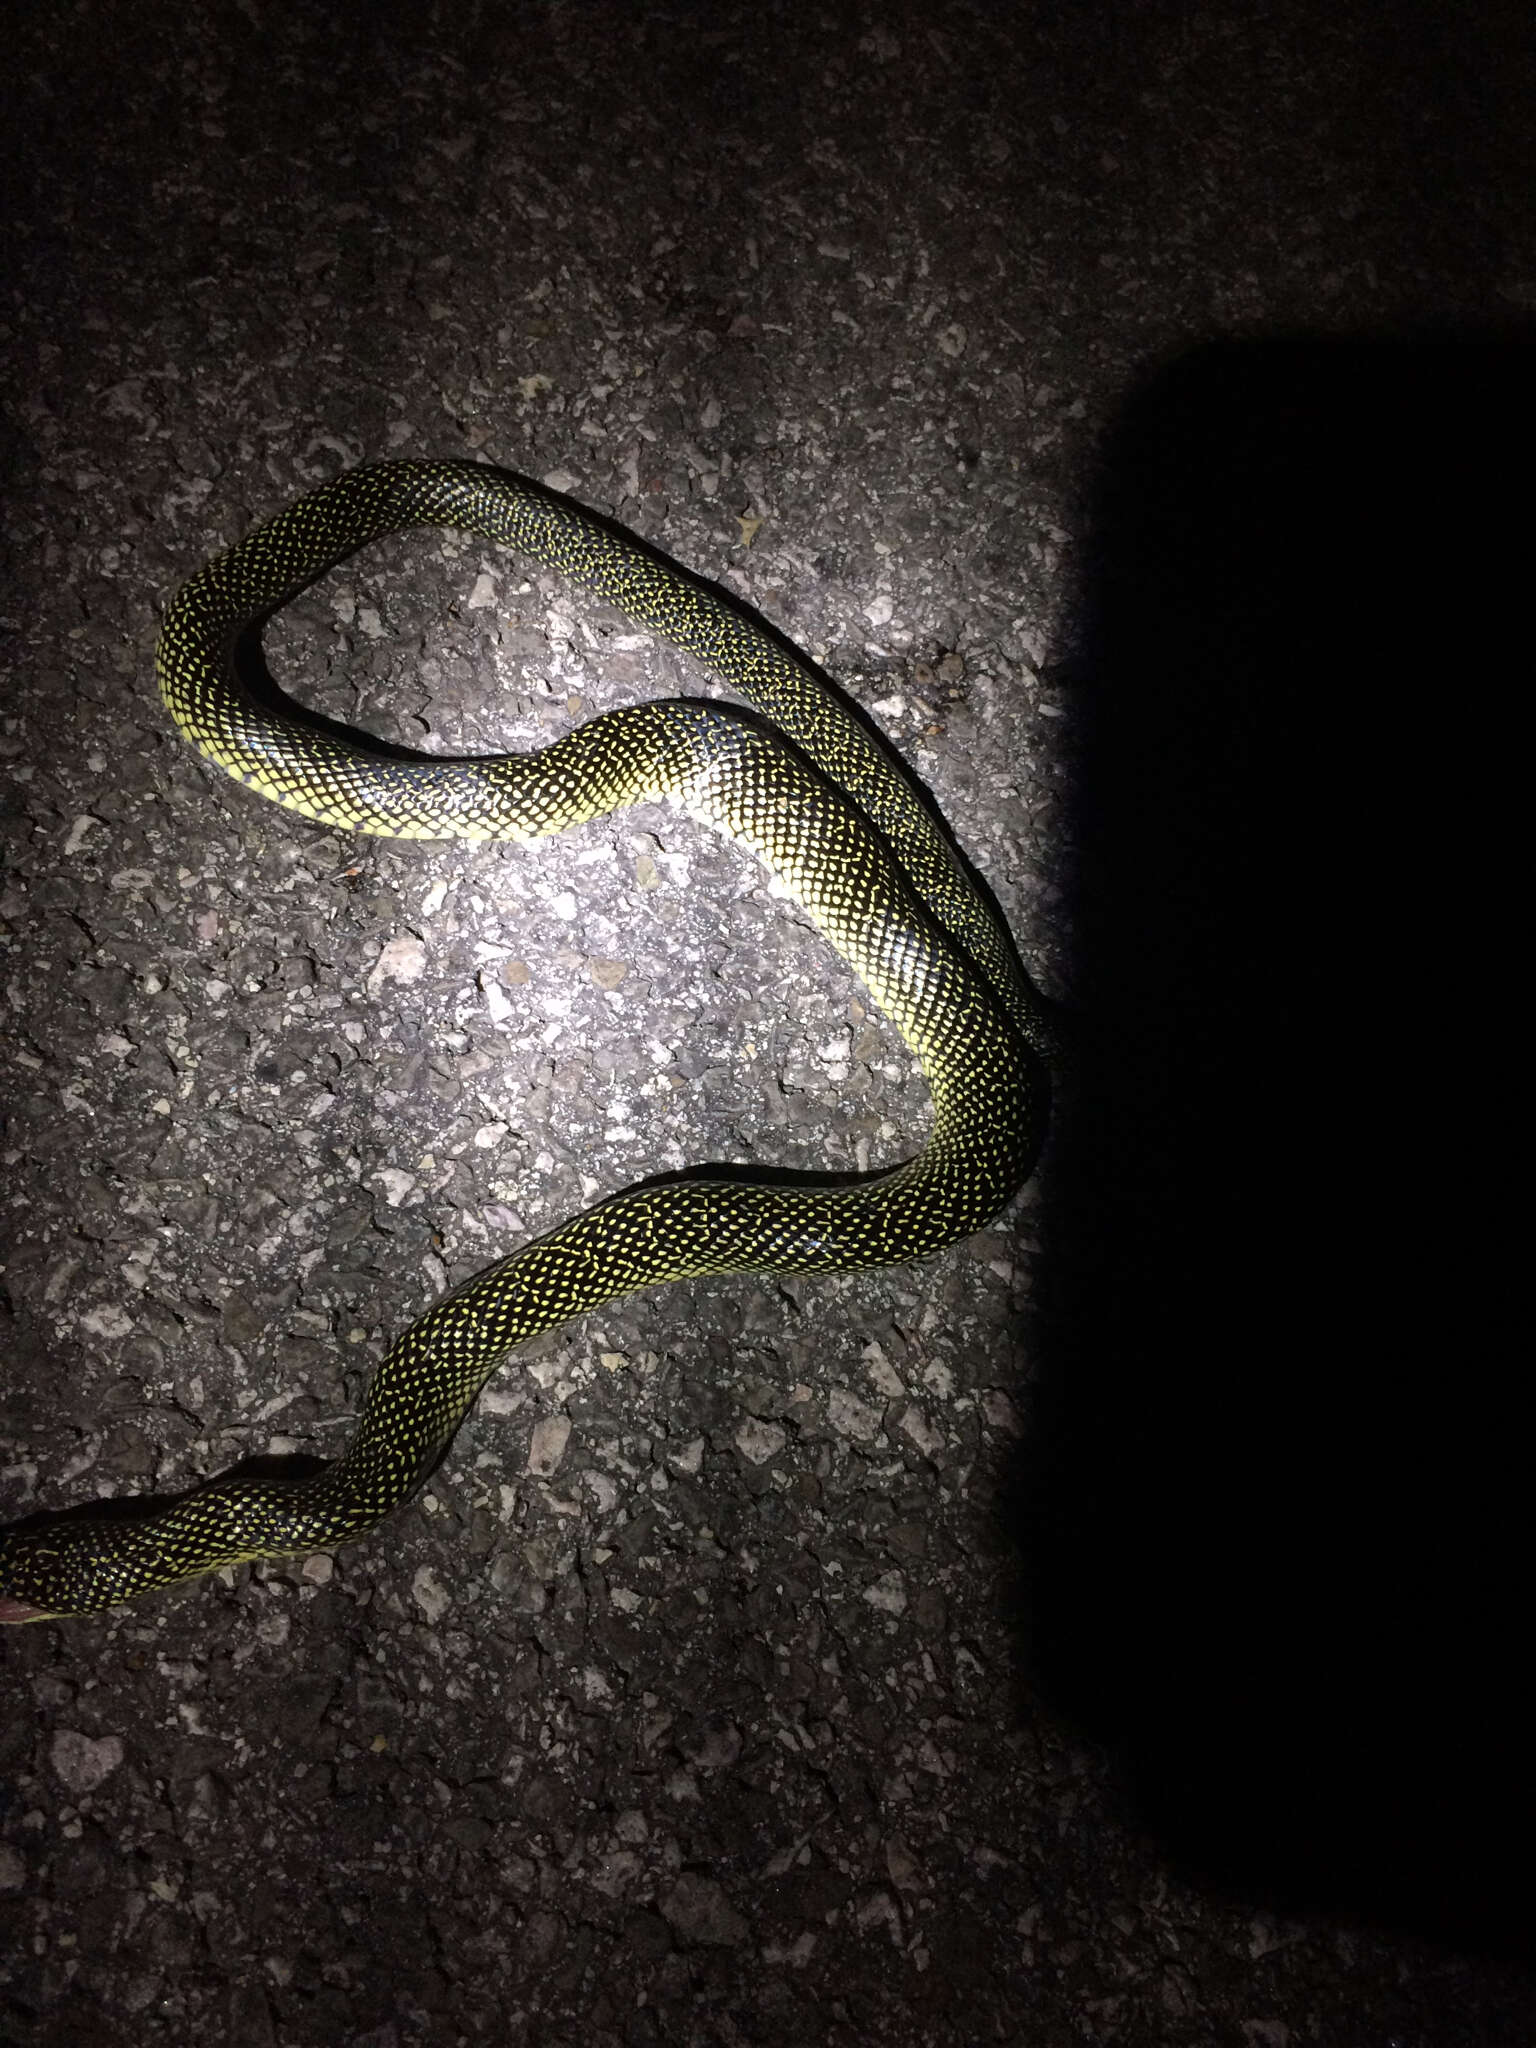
(805, 784)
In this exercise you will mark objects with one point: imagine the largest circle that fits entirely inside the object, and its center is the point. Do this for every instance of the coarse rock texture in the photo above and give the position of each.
(690, 1703)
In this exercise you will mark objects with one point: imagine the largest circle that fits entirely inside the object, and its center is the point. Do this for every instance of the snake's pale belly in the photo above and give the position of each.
(803, 783)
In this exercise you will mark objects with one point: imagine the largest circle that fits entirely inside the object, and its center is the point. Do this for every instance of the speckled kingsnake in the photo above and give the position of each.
(831, 813)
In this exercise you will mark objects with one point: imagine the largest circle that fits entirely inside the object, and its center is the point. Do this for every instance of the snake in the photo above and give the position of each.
(796, 775)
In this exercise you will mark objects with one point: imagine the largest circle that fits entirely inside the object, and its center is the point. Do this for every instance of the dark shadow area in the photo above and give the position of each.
(1275, 1520)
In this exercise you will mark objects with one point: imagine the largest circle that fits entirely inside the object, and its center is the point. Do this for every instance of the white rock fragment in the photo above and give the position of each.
(430, 1595)
(879, 1909)
(107, 1321)
(546, 1446)
(83, 1762)
(915, 1424)
(883, 1376)
(759, 1441)
(77, 833)
(498, 1003)
(850, 1416)
(888, 1593)
(402, 959)
(605, 1494)
(939, 1380)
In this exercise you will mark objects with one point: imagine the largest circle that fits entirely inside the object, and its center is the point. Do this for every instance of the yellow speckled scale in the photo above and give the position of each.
(805, 785)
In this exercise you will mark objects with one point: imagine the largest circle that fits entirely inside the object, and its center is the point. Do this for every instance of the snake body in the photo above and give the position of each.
(805, 784)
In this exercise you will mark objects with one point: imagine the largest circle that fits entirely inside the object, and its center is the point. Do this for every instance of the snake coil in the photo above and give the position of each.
(805, 784)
